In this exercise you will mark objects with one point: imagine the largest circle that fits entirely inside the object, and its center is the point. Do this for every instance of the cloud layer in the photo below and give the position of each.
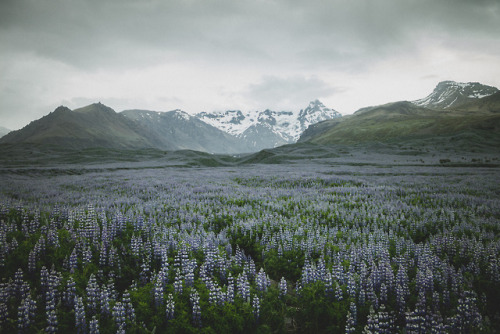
(215, 54)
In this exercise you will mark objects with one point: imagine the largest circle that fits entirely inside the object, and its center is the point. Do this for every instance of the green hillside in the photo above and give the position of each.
(403, 121)
(92, 126)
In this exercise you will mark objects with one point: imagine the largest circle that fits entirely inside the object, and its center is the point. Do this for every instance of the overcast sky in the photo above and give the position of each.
(205, 55)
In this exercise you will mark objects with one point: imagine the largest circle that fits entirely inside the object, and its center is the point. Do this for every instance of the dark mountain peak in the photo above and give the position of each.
(266, 117)
(469, 89)
(95, 125)
(177, 111)
(62, 109)
(313, 106)
(317, 106)
(95, 107)
(181, 114)
(317, 103)
(316, 112)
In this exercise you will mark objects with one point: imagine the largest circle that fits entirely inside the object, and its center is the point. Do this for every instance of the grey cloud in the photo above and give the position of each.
(133, 33)
(280, 37)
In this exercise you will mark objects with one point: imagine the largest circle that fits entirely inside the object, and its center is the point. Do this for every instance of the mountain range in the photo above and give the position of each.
(95, 125)
(228, 132)
(450, 94)
(177, 130)
(267, 129)
(452, 108)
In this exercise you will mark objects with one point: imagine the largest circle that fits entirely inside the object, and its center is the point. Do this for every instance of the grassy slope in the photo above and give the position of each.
(94, 125)
(403, 121)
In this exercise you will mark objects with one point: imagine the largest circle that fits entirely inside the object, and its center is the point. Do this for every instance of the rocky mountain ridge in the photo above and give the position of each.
(466, 111)
(272, 127)
(451, 94)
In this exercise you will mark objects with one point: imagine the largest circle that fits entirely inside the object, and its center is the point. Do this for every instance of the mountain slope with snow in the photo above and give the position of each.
(180, 130)
(268, 128)
(450, 94)
(466, 113)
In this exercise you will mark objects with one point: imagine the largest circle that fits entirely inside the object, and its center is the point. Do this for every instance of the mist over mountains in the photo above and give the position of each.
(451, 109)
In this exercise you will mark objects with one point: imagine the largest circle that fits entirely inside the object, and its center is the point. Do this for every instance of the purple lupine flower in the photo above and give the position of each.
(73, 261)
(26, 313)
(400, 300)
(51, 321)
(372, 325)
(178, 283)
(92, 295)
(129, 308)
(283, 287)
(262, 280)
(94, 326)
(103, 255)
(80, 321)
(256, 307)
(385, 320)
(32, 258)
(189, 273)
(213, 292)
(158, 289)
(339, 294)
(350, 325)
(230, 289)
(170, 308)
(119, 315)
(105, 301)
(243, 286)
(351, 286)
(145, 271)
(354, 313)
(19, 282)
(86, 255)
(196, 310)
(468, 316)
(383, 293)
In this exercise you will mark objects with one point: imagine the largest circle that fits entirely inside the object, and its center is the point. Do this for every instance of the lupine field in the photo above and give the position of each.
(304, 247)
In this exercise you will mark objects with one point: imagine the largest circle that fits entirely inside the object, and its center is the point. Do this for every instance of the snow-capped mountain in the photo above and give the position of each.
(449, 94)
(228, 132)
(268, 128)
(314, 113)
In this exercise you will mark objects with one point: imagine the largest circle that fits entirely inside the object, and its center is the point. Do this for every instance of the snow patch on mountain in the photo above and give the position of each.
(448, 94)
(280, 126)
(233, 122)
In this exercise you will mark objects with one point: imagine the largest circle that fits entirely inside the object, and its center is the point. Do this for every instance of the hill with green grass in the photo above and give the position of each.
(95, 125)
(478, 120)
